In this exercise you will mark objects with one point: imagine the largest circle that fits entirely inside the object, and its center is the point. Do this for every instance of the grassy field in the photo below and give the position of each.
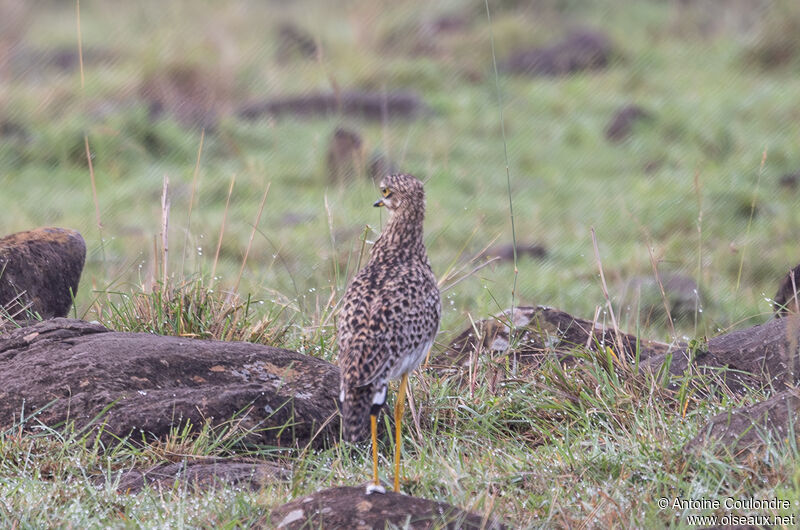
(698, 185)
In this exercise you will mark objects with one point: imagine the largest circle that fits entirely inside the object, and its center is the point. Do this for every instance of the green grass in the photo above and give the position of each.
(553, 449)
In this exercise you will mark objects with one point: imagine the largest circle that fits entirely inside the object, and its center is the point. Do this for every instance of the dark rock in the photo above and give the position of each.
(294, 42)
(789, 181)
(11, 130)
(506, 252)
(350, 507)
(203, 474)
(26, 60)
(621, 125)
(540, 332)
(70, 370)
(345, 155)
(580, 50)
(756, 357)
(787, 299)
(380, 166)
(369, 105)
(39, 271)
(749, 428)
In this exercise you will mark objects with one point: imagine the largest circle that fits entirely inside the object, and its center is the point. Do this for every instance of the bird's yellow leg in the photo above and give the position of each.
(398, 420)
(374, 425)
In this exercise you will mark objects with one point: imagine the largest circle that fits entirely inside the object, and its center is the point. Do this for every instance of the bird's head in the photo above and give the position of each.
(401, 192)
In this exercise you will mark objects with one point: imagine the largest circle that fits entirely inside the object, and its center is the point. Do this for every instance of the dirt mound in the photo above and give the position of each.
(65, 370)
(350, 507)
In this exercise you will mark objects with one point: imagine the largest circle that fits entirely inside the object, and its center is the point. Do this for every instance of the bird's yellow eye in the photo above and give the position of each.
(386, 192)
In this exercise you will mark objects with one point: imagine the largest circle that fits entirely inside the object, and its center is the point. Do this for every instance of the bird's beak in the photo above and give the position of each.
(378, 203)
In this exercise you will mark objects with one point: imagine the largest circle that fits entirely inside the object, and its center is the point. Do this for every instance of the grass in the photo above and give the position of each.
(689, 193)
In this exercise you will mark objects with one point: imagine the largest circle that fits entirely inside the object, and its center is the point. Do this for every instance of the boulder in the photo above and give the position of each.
(39, 272)
(351, 507)
(750, 428)
(146, 386)
(203, 474)
(787, 299)
(578, 51)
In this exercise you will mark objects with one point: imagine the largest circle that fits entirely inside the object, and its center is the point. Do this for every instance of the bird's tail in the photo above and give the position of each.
(356, 407)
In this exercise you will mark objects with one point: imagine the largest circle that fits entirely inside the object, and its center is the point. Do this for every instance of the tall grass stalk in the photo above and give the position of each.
(505, 155)
(750, 218)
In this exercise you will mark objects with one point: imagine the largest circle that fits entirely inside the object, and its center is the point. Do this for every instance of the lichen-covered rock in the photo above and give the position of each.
(65, 370)
(39, 272)
(351, 507)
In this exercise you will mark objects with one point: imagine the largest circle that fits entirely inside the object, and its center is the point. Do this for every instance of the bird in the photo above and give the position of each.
(389, 318)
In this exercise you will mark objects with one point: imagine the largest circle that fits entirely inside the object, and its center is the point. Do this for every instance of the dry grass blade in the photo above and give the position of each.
(164, 229)
(191, 196)
(222, 229)
(617, 334)
(661, 290)
(252, 235)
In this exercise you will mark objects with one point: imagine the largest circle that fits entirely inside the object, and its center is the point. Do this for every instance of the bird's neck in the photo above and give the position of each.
(401, 237)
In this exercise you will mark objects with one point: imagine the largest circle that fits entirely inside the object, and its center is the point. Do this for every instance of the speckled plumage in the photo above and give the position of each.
(390, 312)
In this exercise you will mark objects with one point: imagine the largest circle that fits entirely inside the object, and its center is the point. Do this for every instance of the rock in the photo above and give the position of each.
(642, 295)
(380, 166)
(541, 331)
(620, 126)
(39, 271)
(760, 356)
(578, 51)
(345, 155)
(294, 42)
(350, 507)
(70, 370)
(506, 252)
(369, 105)
(191, 94)
(789, 181)
(203, 474)
(749, 428)
(787, 299)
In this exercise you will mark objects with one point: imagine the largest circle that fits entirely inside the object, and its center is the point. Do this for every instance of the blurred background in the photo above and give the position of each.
(669, 126)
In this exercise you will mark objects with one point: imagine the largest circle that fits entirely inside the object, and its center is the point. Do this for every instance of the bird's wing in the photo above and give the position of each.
(362, 337)
(370, 329)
